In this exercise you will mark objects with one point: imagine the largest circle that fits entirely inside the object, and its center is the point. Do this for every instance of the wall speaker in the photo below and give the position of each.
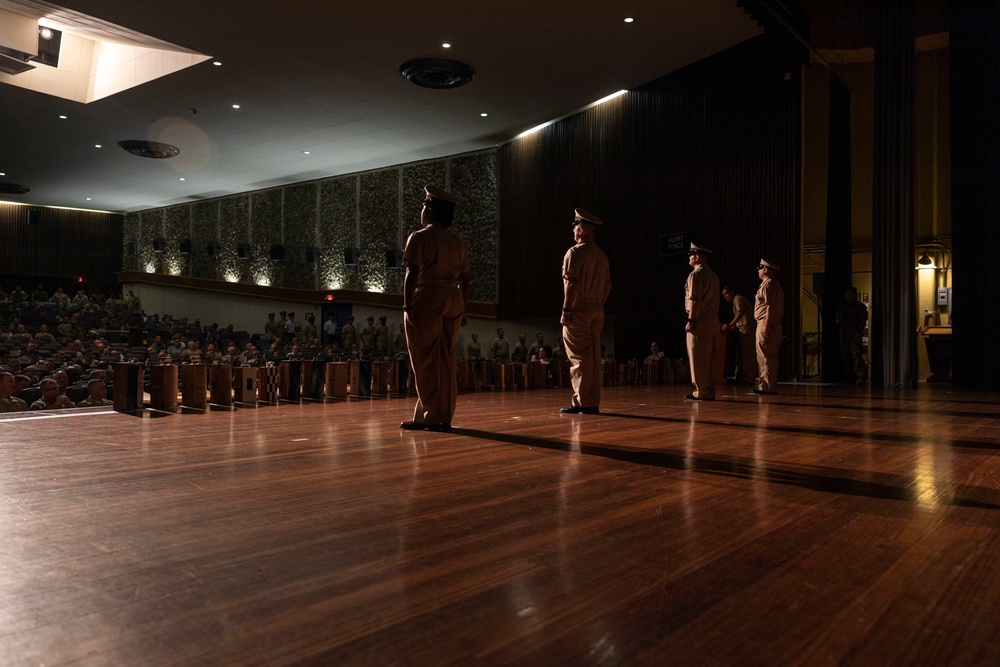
(313, 255)
(351, 256)
(133, 248)
(243, 251)
(34, 216)
(277, 253)
(159, 244)
(213, 248)
(184, 246)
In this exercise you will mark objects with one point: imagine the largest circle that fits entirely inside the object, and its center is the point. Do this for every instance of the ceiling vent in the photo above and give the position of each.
(437, 73)
(152, 149)
(13, 189)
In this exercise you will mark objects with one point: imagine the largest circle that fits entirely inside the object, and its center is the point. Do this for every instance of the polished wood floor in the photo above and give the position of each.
(822, 526)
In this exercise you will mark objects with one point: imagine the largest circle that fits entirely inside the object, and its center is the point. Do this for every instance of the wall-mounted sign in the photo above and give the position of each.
(677, 243)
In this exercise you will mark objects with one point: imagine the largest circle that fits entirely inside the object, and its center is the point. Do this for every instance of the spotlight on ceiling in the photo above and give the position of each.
(925, 260)
(150, 149)
(437, 73)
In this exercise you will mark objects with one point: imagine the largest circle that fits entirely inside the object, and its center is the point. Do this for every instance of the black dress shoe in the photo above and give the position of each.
(438, 427)
(692, 397)
(591, 411)
(414, 426)
(573, 410)
(761, 392)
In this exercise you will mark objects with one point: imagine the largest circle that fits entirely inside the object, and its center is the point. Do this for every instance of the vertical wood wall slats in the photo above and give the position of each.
(712, 150)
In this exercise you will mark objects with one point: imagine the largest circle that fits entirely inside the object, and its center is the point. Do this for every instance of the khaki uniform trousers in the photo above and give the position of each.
(768, 344)
(701, 341)
(431, 335)
(582, 340)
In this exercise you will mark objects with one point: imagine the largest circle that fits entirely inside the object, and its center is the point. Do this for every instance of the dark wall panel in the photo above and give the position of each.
(711, 150)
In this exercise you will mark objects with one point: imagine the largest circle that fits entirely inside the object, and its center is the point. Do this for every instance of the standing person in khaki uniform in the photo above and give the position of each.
(586, 285)
(381, 338)
(701, 301)
(349, 335)
(435, 288)
(368, 337)
(769, 307)
(745, 327)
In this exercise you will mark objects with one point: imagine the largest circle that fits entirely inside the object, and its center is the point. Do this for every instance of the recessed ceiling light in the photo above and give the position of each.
(88, 199)
(64, 117)
(629, 20)
(3, 173)
(484, 114)
(446, 45)
(98, 146)
(306, 153)
(181, 179)
(236, 106)
(217, 63)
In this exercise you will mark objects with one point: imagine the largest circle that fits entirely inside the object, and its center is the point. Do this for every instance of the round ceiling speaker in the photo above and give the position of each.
(152, 149)
(437, 73)
(13, 189)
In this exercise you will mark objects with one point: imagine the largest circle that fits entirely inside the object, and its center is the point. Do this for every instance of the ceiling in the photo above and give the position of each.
(324, 77)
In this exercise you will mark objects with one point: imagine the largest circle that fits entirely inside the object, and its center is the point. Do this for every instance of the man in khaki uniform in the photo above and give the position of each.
(349, 335)
(381, 338)
(701, 301)
(769, 307)
(368, 337)
(435, 288)
(586, 285)
(501, 348)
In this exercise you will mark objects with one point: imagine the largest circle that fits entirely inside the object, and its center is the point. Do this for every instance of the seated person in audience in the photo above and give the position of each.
(176, 347)
(158, 344)
(43, 337)
(191, 355)
(51, 398)
(9, 402)
(21, 335)
(40, 295)
(62, 380)
(98, 394)
(232, 357)
(252, 356)
(21, 382)
(542, 355)
(19, 295)
(81, 297)
(213, 356)
(60, 298)
(656, 354)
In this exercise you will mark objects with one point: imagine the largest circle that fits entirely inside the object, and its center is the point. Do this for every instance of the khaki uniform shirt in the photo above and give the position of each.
(12, 404)
(587, 266)
(703, 286)
(769, 294)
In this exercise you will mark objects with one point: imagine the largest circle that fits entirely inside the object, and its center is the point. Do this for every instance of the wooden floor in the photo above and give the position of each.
(823, 526)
